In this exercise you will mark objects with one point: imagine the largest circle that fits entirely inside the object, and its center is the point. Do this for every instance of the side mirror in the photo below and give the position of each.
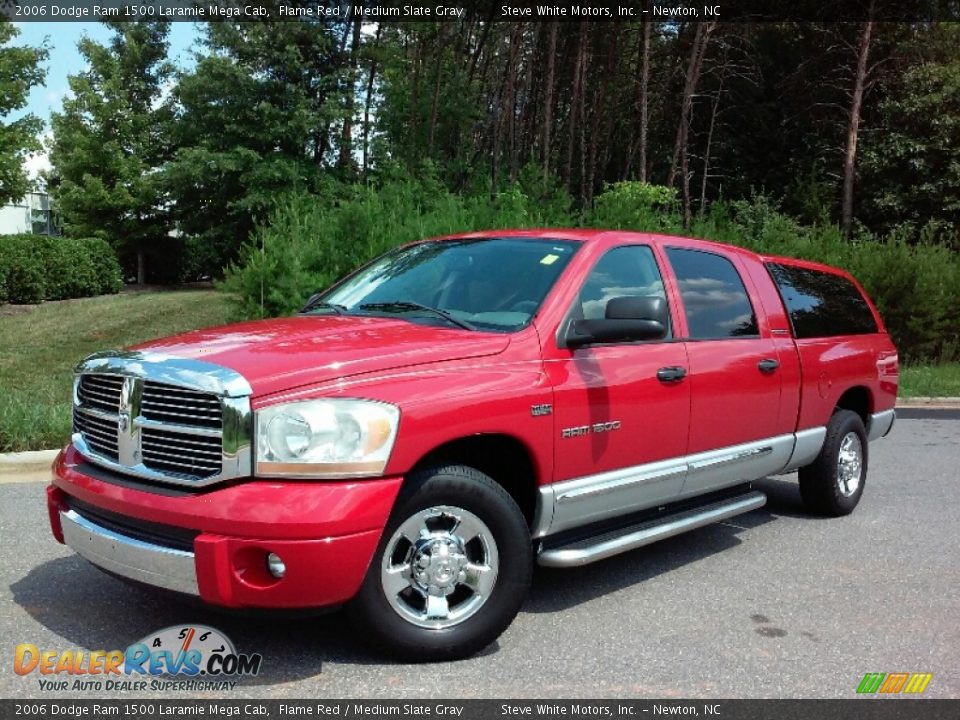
(626, 319)
(633, 307)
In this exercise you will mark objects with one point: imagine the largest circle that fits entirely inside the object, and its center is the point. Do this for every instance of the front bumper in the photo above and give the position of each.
(129, 557)
(325, 533)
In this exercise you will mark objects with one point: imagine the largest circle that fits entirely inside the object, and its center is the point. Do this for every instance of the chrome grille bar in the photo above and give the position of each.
(101, 391)
(166, 402)
(151, 447)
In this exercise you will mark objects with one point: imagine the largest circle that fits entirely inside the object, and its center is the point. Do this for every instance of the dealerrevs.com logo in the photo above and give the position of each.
(180, 657)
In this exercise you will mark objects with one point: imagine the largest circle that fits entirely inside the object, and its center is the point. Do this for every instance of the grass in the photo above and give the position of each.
(930, 380)
(40, 346)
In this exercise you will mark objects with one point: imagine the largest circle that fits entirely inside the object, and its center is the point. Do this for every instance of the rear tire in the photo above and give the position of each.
(833, 483)
(451, 570)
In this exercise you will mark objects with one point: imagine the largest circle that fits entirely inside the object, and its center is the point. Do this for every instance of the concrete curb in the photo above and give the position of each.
(929, 403)
(24, 461)
(26, 466)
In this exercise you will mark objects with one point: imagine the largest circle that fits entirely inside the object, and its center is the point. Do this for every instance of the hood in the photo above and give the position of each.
(284, 353)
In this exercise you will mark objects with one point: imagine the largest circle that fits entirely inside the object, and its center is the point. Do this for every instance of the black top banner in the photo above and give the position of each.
(664, 11)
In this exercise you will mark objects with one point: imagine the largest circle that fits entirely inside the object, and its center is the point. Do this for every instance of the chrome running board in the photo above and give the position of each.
(590, 549)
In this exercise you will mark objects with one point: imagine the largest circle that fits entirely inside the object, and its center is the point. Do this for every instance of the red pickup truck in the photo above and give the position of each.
(421, 433)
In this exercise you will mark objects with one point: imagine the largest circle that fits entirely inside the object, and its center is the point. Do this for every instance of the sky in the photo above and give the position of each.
(61, 39)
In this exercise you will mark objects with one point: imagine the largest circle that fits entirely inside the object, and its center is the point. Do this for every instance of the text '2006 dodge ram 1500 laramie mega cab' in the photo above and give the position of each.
(421, 433)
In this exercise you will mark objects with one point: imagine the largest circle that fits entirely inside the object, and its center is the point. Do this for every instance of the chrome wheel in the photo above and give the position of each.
(439, 567)
(850, 464)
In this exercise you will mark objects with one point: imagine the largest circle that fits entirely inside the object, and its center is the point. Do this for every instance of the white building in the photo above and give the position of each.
(30, 214)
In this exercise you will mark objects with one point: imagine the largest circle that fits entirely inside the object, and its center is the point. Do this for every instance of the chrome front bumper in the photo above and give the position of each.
(129, 557)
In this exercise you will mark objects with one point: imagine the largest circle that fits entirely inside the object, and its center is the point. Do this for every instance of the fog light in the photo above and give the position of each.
(275, 565)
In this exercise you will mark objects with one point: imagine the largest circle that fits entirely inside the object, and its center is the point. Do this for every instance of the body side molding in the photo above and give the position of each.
(880, 424)
(581, 501)
(806, 449)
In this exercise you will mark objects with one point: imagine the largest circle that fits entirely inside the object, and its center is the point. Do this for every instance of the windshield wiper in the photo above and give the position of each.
(315, 302)
(409, 305)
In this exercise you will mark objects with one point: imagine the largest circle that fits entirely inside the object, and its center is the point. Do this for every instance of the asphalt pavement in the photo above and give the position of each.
(775, 603)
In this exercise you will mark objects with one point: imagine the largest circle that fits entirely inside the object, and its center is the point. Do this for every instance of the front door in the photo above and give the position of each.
(620, 430)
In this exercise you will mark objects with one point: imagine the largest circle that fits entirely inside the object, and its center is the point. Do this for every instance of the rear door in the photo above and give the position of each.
(734, 374)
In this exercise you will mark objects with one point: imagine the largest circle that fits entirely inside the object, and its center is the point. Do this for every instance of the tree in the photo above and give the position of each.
(110, 140)
(644, 91)
(346, 135)
(732, 107)
(681, 148)
(548, 100)
(368, 101)
(262, 113)
(698, 49)
(19, 71)
(910, 161)
(853, 127)
(574, 115)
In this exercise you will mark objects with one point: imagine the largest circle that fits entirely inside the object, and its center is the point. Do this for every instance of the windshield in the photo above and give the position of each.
(493, 284)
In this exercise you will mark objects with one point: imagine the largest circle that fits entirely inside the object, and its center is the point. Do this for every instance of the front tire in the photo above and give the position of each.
(451, 570)
(833, 483)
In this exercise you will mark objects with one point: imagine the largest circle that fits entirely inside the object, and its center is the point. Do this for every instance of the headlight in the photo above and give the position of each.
(325, 438)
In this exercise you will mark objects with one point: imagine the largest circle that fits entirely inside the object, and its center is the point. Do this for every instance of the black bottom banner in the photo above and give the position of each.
(872, 709)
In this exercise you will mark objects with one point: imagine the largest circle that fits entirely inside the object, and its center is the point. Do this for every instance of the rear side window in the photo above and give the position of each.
(714, 297)
(822, 304)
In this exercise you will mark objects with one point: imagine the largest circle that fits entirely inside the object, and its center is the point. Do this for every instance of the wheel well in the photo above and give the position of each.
(504, 459)
(858, 400)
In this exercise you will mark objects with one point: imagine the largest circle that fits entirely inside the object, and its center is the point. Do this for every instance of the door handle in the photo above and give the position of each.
(768, 365)
(671, 374)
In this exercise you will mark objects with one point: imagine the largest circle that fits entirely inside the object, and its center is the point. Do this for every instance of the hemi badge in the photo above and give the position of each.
(538, 410)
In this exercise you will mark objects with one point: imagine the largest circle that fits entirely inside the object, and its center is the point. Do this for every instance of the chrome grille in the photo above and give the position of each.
(99, 433)
(100, 392)
(132, 420)
(191, 455)
(171, 404)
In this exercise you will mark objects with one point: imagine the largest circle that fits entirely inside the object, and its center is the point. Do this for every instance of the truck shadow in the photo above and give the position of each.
(555, 590)
(783, 498)
(92, 610)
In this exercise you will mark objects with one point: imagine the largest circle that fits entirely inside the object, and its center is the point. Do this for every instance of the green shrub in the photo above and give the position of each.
(106, 267)
(69, 269)
(280, 268)
(34, 268)
(917, 290)
(634, 205)
(23, 270)
(199, 260)
(311, 240)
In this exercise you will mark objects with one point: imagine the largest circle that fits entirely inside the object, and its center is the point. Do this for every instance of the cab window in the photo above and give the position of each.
(714, 296)
(822, 304)
(630, 270)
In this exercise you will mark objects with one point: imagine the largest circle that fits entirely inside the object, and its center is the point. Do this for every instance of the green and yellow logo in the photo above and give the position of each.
(894, 683)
